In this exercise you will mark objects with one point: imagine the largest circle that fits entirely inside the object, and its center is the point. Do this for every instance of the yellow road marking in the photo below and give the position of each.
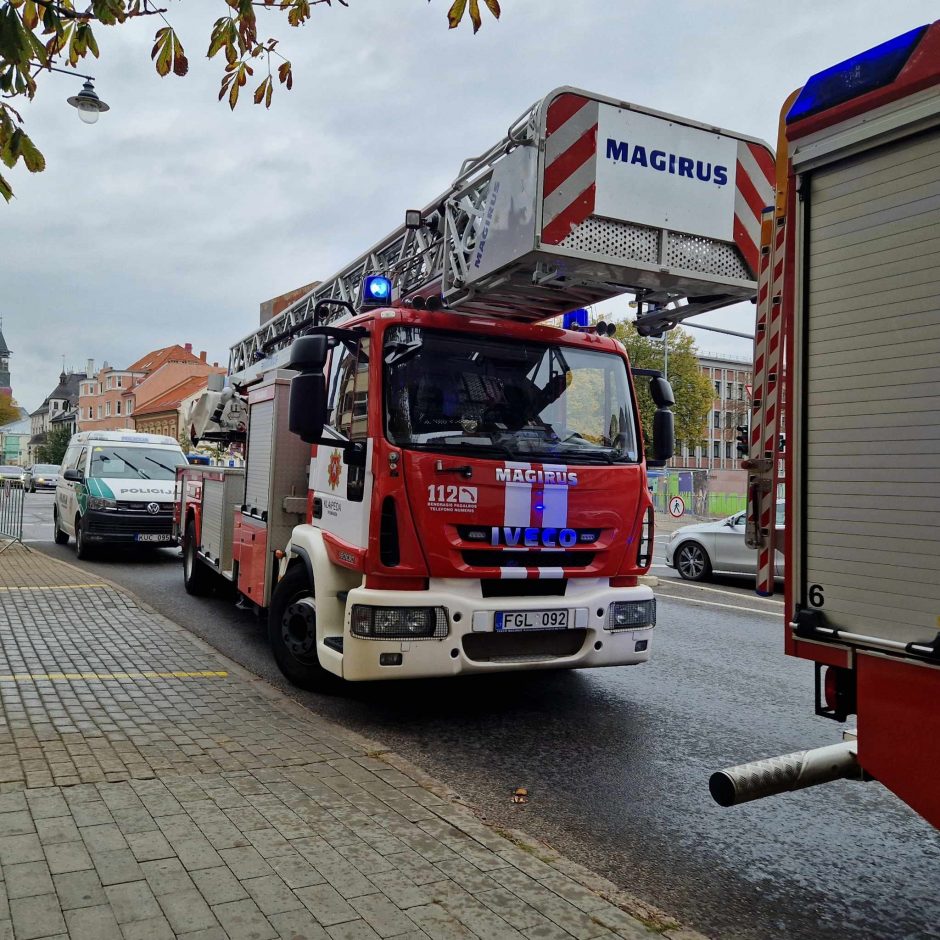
(55, 587)
(66, 676)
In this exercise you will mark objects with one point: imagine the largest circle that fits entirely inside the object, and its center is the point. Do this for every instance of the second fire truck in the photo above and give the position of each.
(437, 482)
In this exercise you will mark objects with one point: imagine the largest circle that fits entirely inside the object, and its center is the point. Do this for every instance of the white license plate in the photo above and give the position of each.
(153, 538)
(507, 620)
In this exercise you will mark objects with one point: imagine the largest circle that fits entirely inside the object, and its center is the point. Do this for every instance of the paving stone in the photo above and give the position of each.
(208, 933)
(245, 862)
(16, 824)
(91, 814)
(17, 849)
(116, 867)
(381, 915)
(296, 871)
(271, 894)
(103, 838)
(39, 916)
(46, 804)
(93, 923)
(67, 856)
(242, 920)
(512, 909)
(297, 925)
(186, 910)
(326, 904)
(352, 930)
(196, 853)
(27, 880)
(166, 876)
(79, 889)
(132, 901)
(148, 846)
(218, 885)
(438, 923)
(155, 928)
(56, 829)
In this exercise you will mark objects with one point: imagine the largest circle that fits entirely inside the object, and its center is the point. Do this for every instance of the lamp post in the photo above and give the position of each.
(86, 102)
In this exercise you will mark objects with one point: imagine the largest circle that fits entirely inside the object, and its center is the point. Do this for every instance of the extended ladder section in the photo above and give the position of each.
(584, 199)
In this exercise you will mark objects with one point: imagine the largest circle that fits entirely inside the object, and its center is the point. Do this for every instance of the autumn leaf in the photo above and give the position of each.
(168, 54)
(5, 189)
(456, 12)
(458, 9)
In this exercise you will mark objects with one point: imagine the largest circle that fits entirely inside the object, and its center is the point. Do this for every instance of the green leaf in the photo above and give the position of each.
(5, 189)
(455, 13)
(34, 160)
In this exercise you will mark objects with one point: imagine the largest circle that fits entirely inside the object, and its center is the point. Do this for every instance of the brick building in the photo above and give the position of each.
(109, 399)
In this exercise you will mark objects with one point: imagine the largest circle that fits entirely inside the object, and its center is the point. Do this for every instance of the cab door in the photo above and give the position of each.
(69, 494)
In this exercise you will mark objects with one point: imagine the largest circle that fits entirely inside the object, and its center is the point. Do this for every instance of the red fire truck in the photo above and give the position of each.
(475, 498)
(847, 370)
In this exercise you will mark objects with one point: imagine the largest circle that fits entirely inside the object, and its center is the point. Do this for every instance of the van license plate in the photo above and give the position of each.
(508, 620)
(149, 537)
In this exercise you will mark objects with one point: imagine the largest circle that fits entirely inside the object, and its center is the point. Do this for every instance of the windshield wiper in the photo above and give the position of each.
(500, 450)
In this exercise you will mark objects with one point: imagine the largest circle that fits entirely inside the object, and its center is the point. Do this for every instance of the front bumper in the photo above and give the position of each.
(669, 552)
(128, 527)
(472, 644)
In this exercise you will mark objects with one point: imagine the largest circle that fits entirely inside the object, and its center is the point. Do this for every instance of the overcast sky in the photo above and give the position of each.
(172, 218)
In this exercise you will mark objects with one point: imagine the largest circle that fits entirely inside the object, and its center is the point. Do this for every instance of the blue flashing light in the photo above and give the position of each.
(376, 290)
(864, 72)
(575, 318)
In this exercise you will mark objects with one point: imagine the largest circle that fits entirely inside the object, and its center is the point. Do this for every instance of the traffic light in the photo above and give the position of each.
(744, 448)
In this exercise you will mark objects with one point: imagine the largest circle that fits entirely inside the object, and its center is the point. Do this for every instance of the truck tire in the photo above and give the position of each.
(292, 632)
(82, 549)
(197, 578)
(61, 538)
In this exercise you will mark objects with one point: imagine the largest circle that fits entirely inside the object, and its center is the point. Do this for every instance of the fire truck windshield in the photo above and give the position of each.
(463, 393)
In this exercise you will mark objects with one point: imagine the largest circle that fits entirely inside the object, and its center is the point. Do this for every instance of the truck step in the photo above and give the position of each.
(334, 643)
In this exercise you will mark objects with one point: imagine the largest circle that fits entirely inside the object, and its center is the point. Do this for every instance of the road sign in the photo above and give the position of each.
(676, 506)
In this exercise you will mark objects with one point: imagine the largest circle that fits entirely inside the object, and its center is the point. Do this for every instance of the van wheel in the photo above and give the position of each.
(61, 538)
(292, 632)
(197, 578)
(82, 549)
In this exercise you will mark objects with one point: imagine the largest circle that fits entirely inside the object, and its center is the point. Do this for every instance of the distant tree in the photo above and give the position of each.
(693, 390)
(9, 411)
(56, 444)
(36, 35)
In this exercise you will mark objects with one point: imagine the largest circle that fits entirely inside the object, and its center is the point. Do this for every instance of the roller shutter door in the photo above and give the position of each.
(871, 523)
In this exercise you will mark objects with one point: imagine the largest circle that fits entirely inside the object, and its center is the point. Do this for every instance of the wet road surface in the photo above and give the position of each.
(617, 761)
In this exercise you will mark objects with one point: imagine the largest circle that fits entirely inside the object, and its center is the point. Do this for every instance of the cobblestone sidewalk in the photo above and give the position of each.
(150, 788)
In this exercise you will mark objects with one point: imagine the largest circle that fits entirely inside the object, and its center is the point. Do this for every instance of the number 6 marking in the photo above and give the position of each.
(815, 595)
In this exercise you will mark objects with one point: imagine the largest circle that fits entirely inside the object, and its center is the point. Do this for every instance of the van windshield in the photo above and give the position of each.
(135, 463)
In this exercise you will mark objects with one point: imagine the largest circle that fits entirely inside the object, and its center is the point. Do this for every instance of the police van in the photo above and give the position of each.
(116, 487)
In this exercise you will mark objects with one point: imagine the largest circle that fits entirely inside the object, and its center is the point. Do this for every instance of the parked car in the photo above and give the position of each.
(41, 476)
(695, 551)
(15, 475)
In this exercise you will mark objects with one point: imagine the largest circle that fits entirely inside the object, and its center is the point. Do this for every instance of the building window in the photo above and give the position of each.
(741, 392)
(703, 450)
(107, 409)
(118, 380)
(728, 449)
(729, 387)
(110, 381)
(117, 407)
(99, 412)
(91, 412)
(717, 389)
(127, 410)
(716, 419)
(716, 449)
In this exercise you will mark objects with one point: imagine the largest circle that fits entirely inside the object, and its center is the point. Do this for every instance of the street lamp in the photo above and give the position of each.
(86, 102)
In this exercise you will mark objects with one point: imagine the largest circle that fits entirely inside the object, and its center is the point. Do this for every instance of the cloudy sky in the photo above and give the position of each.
(172, 218)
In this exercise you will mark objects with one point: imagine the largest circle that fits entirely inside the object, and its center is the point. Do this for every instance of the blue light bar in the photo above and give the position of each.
(376, 291)
(864, 72)
(575, 318)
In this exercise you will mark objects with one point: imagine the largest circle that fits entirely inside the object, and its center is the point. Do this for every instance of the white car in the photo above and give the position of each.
(695, 551)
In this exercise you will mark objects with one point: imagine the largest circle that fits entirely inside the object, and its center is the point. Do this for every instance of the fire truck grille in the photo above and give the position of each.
(487, 558)
(533, 646)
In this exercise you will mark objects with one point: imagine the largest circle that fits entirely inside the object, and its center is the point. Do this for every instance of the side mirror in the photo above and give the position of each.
(74, 476)
(664, 433)
(308, 354)
(661, 392)
(306, 412)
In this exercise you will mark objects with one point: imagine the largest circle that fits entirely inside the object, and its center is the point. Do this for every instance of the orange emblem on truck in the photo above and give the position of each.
(335, 469)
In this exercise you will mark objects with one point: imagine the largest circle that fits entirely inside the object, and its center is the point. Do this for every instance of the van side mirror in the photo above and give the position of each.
(74, 476)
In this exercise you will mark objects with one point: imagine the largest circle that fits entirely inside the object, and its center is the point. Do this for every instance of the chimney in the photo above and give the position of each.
(215, 365)
(90, 368)
(202, 356)
(188, 347)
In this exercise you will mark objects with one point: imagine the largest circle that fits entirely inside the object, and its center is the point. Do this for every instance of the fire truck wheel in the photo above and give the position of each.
(292, 632)
(61, 538)
(693, 562)
(197, 578)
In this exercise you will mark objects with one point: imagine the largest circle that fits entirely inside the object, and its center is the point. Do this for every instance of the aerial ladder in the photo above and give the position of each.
(534, 227)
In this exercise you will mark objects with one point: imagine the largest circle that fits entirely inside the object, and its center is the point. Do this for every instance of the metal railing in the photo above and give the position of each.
(693, 486)
(12, 499)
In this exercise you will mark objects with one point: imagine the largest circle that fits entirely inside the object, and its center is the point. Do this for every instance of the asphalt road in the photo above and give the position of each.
(617, 761)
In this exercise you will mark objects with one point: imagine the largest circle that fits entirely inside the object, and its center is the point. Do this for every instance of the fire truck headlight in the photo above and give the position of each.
(405, 623)
(631, 615)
